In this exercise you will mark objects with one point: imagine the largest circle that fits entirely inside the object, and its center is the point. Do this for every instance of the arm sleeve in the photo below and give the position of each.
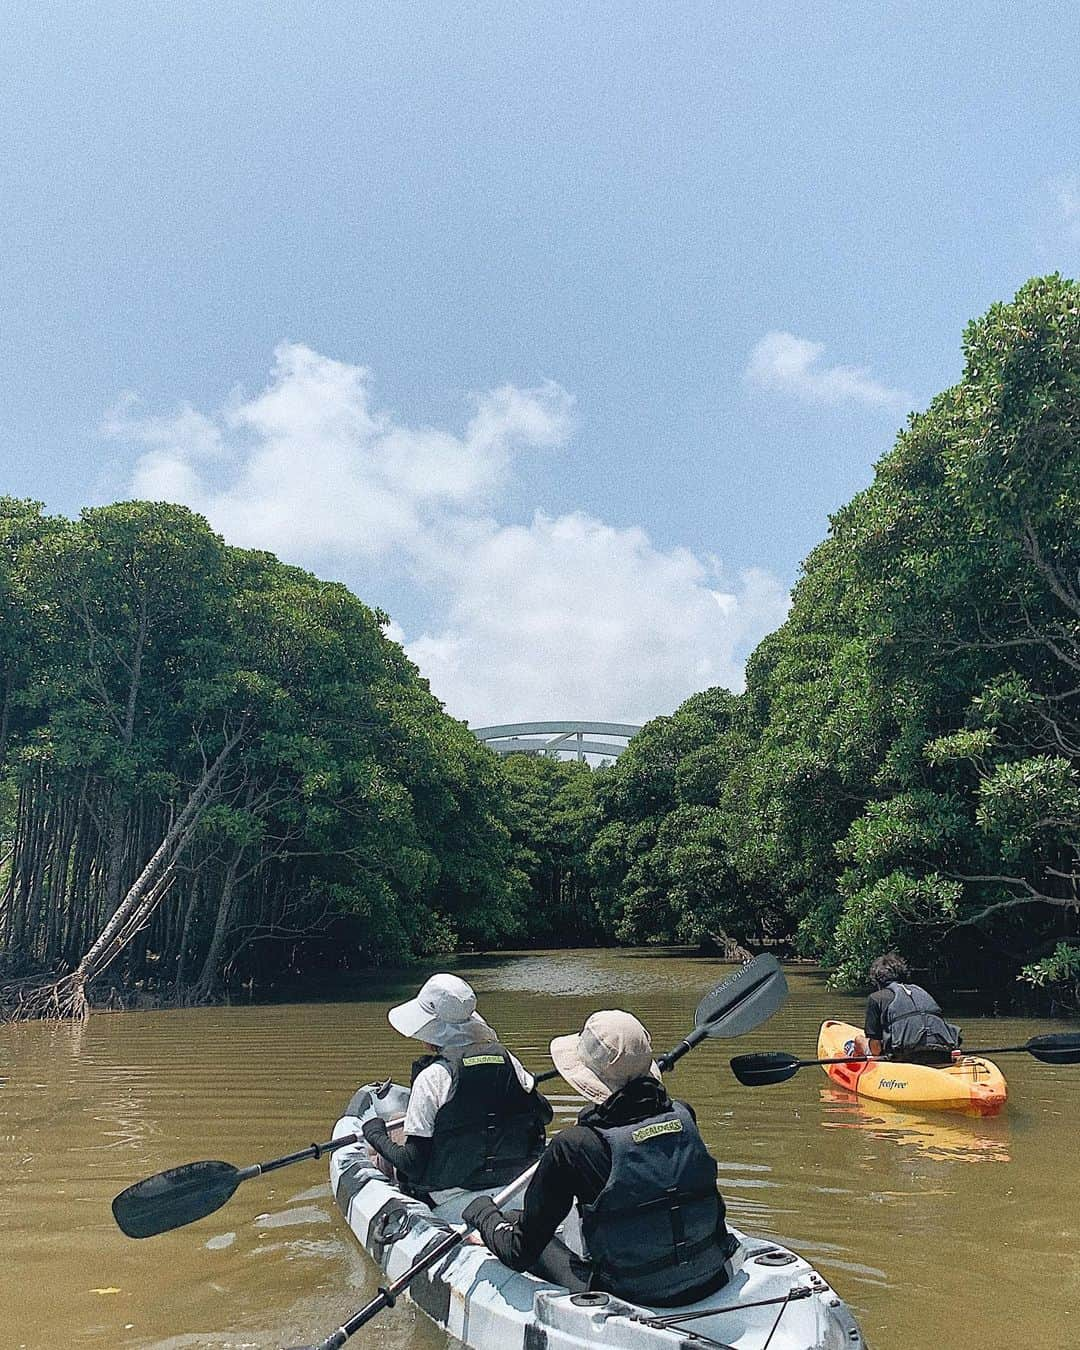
(528, 1082)
(410, 1158)
(430, 1091)
(873, 1028)
(518, 1239)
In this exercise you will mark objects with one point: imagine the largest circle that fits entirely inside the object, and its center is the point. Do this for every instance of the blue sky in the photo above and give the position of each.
(641, 291)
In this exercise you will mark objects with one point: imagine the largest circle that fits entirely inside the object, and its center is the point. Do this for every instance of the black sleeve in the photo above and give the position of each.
(873, 1025)
(410, 1158)
(575, 1164)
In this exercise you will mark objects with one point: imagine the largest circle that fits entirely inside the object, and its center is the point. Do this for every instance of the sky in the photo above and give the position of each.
(556, 331)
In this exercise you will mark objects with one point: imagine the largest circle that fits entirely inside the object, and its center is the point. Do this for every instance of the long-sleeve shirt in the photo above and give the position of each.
(574, 1167)
(410, 1158)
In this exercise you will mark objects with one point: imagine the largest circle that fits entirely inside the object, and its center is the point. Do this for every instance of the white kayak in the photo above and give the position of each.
(774, 1300)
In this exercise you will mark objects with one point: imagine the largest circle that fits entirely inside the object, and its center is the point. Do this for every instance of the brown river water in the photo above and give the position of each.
(940, 1230)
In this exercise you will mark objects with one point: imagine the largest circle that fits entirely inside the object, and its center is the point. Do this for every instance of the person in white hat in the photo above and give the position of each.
(475, 1120)
(652, 1221)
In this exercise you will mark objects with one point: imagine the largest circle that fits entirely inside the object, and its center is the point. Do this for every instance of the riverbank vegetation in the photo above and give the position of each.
(216, 768)
(904, 765)
(209, 761)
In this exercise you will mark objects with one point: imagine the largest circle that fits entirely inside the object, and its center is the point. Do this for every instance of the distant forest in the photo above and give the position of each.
(216, 770)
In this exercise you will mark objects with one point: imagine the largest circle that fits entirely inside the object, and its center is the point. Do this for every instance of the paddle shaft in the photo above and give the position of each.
(387, 1297)
(312, 1151)
(684, 1047)
(883, 1059)
(1009, 1050)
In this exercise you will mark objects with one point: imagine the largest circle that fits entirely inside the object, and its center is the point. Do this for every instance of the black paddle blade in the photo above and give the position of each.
(174, 1198)
(1064, 1048)
(770, 1066)
(745, 999)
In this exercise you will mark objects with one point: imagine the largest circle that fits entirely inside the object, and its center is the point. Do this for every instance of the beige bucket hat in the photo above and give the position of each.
(611, 1049)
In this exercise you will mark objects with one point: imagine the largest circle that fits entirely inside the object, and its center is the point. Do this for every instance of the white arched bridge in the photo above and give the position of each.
(558, 738)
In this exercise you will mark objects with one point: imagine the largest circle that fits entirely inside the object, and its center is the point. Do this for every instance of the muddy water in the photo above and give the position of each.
(941, 1231)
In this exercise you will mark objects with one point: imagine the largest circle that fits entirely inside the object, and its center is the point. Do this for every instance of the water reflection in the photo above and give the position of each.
(957, 1136)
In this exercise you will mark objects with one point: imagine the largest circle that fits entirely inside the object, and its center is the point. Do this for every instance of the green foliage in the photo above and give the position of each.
(1028, 804)
(552, 816)
(907, 828)
(661, 856)
(889, 911)
(902, 767)
(972, 743)
(134, 644)
(1057, 974)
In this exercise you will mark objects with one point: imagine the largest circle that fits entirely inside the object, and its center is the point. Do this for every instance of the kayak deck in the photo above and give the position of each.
(969, 1084)
(774, 1297)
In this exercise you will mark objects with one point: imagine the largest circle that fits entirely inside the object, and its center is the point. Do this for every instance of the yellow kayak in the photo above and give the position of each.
(968, 1084)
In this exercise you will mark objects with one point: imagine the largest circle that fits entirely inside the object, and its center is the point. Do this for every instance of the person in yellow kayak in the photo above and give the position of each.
(649, 1224)
(474, 1120)
(902, 1021)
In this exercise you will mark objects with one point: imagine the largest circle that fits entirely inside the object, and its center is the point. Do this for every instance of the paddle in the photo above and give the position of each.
(738, 1004)
(388, 1295)
(183, 1194)
(735, 1006)
(774, 1066)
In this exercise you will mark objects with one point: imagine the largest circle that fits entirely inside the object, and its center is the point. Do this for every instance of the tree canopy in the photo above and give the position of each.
(148, 670)
(904, 764)
(213, 764)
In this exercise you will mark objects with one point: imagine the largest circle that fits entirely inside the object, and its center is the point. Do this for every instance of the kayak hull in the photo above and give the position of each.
(485, 1305)
(969, 1084)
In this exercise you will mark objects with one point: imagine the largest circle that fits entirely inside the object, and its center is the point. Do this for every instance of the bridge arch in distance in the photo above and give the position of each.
(558, 738)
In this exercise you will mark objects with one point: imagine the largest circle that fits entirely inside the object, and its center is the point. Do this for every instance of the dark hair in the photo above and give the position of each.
(887, 968)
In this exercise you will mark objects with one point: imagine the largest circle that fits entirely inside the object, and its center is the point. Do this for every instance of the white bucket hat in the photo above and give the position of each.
(443, 1013)
(612, 1049)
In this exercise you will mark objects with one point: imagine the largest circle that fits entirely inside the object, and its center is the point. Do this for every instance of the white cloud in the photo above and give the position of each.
(394, 631)
(571, 617)
(787, 364)
(560, 617)
(1067, 196)
(310, 469)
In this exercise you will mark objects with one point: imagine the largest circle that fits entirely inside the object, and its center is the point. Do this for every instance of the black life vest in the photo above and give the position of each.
(489, 1129)
(656, 1231)
(912, 1022)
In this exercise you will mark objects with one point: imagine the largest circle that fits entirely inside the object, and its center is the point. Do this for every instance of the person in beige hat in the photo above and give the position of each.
(474, 1120)
(652, 1222)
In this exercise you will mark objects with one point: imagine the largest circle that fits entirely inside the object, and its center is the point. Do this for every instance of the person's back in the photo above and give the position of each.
(639, 1173)
(488, 1128)
(903, 1022)
(474, 1120)
(656, 1233)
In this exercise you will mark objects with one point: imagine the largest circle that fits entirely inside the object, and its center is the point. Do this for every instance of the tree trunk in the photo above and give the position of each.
(5, 718)
(204, 985)
(144, 893)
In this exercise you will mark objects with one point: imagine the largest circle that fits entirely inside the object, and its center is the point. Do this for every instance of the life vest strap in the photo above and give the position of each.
(661, 1201)
(669, 1262)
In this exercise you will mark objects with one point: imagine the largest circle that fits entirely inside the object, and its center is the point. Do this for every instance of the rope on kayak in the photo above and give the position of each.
(699, 1338)
(673, 1321)
(783, 1309)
